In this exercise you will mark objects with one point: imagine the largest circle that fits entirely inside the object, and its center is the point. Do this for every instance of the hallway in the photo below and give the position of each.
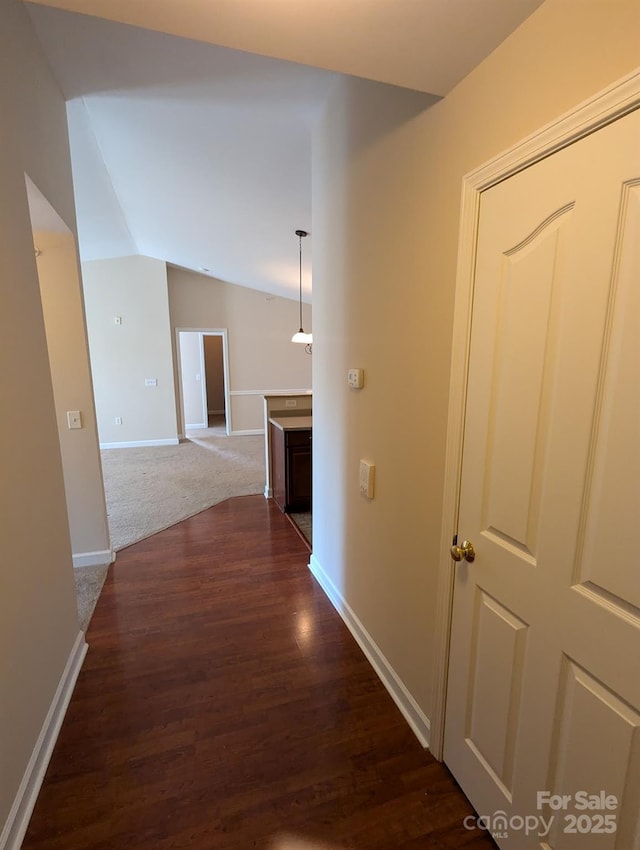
(224, 704)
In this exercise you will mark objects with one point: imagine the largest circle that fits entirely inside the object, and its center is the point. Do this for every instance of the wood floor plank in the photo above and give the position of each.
(224, 704)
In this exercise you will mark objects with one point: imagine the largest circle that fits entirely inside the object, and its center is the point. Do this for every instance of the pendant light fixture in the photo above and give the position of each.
(300, 336)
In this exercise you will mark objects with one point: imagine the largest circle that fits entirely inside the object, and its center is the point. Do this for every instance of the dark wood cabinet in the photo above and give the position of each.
(291, 467)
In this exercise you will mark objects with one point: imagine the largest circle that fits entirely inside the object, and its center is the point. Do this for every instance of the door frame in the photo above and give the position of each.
(222, 332)
(592, 114)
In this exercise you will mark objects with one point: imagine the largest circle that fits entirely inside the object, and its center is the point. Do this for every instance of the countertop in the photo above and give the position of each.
(292, 423)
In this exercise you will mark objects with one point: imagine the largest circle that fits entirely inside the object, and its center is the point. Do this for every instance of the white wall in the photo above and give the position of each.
(386, 199)
(124, 355)
(62, 305)
(262, 357)
(38, 614)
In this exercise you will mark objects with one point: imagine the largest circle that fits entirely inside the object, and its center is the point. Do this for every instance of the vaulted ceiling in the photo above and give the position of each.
(190, 120)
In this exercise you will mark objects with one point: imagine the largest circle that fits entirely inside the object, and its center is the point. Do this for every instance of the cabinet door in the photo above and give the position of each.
(299, 475)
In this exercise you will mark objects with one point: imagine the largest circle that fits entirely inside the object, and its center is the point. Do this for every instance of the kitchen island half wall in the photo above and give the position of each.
(291, 462)
(277, 405)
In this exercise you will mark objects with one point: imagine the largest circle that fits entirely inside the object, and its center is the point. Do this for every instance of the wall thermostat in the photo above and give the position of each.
(355, 378)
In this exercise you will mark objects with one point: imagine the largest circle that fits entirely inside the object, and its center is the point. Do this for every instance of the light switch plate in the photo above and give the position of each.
(367, 476)
(355, 378)
(74, 419)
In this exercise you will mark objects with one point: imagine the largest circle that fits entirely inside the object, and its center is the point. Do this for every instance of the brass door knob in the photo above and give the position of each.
(465, 551)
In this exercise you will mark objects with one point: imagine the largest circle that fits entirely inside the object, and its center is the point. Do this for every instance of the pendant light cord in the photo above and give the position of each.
(300, 275)
(300, 335)
(300, 234)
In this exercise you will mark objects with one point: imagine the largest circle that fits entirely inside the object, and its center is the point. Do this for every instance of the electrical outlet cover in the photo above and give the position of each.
(355, 378)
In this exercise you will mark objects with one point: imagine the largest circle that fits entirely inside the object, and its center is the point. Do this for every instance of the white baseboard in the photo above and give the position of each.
(410, 709)
(18, 820)
(271, 392)
(101, 558)
(134, 444)
(247, 433)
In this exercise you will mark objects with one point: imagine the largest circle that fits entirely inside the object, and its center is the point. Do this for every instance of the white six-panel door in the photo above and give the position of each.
(544, 677)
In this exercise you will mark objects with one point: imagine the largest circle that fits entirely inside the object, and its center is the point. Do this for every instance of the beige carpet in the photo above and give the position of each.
(304, 521)
(89, 581)
(151, 488)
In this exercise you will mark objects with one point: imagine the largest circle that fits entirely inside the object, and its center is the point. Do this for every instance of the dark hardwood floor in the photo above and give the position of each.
(224, 704)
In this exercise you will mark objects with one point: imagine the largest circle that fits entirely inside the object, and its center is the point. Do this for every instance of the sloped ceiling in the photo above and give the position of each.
(199, 153)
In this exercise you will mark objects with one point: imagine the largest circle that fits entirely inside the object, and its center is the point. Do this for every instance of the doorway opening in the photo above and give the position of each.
(63, 315)
(204, 381)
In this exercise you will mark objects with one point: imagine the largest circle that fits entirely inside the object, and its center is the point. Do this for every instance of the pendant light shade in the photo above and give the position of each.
(300, 336)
